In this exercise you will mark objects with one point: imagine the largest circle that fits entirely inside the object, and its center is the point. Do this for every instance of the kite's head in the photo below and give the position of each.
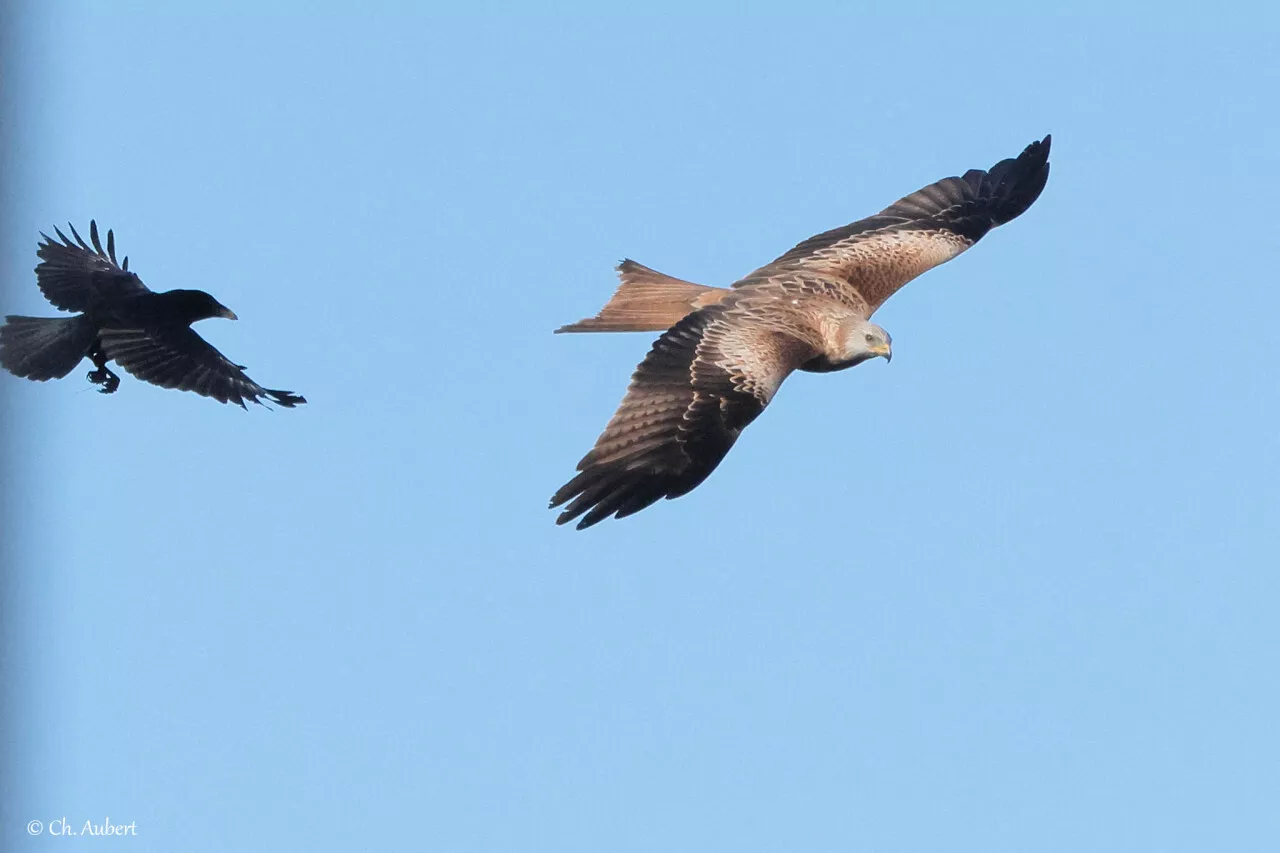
(864, 341)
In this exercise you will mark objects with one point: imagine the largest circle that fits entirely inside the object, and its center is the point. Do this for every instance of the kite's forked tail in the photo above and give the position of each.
(647, 301)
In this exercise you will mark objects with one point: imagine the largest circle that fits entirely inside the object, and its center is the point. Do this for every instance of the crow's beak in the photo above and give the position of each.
(228, 313)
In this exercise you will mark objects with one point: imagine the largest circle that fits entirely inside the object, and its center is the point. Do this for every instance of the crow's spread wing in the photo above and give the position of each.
(177, 357)
(72, 272)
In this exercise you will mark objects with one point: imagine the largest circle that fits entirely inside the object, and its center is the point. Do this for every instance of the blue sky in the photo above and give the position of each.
(1015, 591)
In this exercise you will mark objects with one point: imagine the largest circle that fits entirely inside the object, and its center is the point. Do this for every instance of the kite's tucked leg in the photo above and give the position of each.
(102, 376)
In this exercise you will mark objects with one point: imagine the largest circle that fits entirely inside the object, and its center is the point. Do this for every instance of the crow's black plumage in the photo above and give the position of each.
(122, 320)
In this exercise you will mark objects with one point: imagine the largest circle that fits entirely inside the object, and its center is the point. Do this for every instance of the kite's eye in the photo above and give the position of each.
(870, 338)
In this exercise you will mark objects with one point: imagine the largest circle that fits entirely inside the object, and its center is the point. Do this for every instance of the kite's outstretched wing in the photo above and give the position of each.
(728, 351)
(881, 253)
(704, 380)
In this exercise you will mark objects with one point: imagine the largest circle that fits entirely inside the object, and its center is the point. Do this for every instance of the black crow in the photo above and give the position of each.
(147, 333)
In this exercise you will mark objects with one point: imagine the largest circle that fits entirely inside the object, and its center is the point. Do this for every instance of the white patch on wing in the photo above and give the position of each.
(886, 260)
(759, 359)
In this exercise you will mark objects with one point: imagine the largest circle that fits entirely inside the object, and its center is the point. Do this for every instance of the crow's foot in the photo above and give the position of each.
(108, 380)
